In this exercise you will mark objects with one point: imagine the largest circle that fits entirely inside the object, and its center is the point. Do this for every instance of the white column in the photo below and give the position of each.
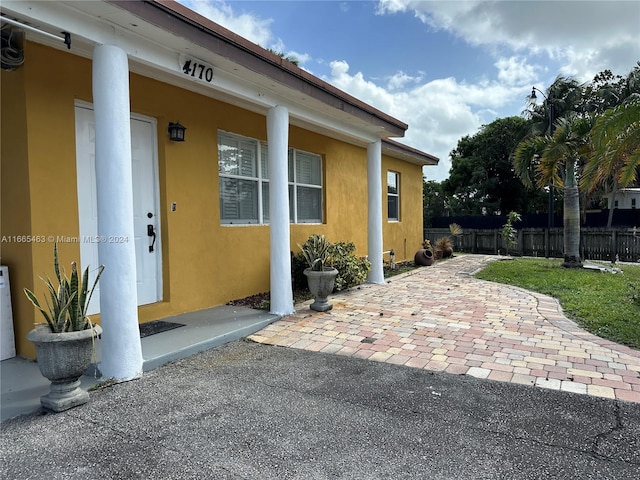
(120, 347)
(374, 229)
(280, 252)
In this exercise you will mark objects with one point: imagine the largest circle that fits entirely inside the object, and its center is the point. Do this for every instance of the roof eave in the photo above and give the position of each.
(406, 153)
(180, 20)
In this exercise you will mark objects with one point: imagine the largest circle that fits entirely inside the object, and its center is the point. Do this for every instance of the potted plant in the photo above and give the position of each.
(443, 248)
(320, 274)
(456, 231)
(64, 345)
(424, 256)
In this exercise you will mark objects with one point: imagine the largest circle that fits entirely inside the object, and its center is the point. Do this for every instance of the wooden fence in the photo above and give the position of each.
(595, 243)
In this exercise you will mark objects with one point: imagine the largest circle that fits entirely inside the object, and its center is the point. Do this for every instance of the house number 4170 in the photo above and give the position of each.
(198, 70)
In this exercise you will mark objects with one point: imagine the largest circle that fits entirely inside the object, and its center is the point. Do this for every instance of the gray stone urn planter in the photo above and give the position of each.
(62, 359)
(321, 285)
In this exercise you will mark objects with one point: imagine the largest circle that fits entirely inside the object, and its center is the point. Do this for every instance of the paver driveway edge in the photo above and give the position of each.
(441, 318)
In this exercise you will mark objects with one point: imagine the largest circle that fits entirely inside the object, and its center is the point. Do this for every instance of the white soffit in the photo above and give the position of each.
(159, 54)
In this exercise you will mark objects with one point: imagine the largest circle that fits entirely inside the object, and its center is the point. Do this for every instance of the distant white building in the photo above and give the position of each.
(625, 198)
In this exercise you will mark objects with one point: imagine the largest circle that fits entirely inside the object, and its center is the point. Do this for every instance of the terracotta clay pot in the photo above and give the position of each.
(424, 257)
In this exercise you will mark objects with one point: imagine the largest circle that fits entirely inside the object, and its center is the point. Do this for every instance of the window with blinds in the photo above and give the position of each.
(393, 196)
(243, 167)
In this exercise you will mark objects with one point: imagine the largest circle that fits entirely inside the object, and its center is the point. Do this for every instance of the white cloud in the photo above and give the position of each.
(515, 70)
(301, 57)
(580, 37)
(585, 36)
(439, 112)
(401, 80)
(249, 26)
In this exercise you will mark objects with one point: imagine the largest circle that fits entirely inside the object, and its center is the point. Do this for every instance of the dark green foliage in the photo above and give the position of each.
(298, 264)
(352, 270)
(433, 201)
(482, 180)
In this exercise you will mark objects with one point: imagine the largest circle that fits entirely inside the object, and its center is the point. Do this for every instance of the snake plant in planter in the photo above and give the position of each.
(320, 275)
(64, 345)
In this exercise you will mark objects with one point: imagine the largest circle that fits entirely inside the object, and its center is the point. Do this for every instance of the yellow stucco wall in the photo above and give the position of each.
(404, 237)
(15, 216)
(204, 263)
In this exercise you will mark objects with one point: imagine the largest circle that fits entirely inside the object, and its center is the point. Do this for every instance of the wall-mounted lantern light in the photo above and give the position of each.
(176, 132)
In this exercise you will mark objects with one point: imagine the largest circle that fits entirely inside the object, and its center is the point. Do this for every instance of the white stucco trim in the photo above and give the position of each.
(162, 60)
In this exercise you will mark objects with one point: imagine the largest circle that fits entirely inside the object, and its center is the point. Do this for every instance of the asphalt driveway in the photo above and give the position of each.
(251, 411)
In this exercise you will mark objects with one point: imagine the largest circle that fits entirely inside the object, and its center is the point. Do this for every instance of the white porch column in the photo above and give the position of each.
(120, 348)
(374, 230)
(278, 144)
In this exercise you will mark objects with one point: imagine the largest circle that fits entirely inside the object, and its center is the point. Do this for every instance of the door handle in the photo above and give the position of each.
(151, 233)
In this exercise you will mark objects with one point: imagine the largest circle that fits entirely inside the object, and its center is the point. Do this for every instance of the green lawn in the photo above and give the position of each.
(605, 304)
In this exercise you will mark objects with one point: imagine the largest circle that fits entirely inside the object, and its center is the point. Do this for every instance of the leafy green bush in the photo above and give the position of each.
(352, 270)
(298, 264)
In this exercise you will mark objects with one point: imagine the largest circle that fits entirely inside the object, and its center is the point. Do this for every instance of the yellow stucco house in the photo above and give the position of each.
(271, 154)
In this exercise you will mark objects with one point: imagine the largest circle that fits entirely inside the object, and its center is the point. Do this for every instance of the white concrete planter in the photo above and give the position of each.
(62, 359)
(321, 285)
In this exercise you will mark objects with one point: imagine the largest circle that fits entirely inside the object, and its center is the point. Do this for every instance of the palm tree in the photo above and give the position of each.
(551, 160)
(615, 157)
(555, 160)
(563, 98)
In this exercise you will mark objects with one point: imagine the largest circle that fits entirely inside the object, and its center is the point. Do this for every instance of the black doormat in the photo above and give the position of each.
(158, 326)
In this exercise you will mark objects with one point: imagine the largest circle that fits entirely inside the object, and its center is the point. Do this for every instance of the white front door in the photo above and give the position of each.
(145, 204)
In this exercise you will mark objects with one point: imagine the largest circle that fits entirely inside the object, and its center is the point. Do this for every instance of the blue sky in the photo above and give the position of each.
(444, 67)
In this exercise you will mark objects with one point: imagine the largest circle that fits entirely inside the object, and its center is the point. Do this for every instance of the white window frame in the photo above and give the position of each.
(262, 179)
(395, 195)
(295, 183)
(258, 179)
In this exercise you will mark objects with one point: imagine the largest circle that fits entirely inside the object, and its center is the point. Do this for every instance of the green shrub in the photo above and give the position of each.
(352, 270)
(298, 264)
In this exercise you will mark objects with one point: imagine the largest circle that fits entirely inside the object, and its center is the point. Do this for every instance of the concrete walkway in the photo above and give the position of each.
(22, 385)
(441, 318)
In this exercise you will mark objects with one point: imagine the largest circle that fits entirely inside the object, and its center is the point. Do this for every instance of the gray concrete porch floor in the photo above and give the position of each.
(22, 385)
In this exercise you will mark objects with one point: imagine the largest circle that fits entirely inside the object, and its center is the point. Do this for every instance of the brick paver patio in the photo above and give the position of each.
(441, 318)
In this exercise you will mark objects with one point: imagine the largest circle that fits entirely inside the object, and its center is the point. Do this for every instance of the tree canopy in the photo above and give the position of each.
(482, 179)
(583, 137)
